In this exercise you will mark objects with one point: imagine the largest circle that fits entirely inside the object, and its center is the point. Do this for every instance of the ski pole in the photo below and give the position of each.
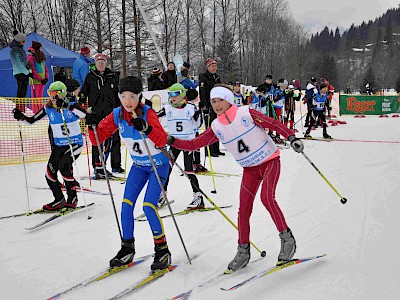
(263, 253)
(126, 159)
(302, 128)
(107, 179)
(87, 157)
(74, 160)
(24, 163)
(300, 119)
(210, 160)
(162, 187)
(342, 199)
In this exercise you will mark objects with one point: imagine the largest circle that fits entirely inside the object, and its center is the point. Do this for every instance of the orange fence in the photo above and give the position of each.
(35, 138)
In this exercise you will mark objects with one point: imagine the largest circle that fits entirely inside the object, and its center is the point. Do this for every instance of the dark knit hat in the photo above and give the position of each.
(191, 94)
(186, 64)
(72, 85)
(36, 45)
(156, 71)
(85, 50)
(268, 77)
(130, 83)
(313, 79)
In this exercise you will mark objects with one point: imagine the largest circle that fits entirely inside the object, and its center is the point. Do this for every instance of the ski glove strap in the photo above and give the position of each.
(141, 125)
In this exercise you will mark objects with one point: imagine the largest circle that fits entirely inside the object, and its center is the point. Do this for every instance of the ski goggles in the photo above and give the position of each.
(174, 94)
(53, 93)
(236, 83)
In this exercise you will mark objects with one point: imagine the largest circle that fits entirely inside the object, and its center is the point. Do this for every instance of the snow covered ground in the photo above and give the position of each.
(361, 237)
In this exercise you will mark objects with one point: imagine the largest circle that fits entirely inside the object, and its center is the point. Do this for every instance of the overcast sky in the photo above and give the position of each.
(316, 14)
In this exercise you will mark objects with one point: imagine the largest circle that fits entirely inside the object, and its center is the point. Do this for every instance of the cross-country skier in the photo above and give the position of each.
(242, 132)
(131, 119)
(60, 157)
(279, 105)
(318, 111)
(183, 119)
(237, 94)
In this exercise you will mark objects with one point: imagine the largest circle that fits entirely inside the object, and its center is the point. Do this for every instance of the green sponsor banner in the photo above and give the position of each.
(368, 105)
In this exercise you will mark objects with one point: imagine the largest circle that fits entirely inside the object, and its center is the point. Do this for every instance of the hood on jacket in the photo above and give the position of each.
(310, 86)
(13, 44)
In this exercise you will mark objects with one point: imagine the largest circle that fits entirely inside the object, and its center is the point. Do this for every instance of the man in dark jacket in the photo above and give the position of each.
(169, 76)
(101, 90)
(207, 81)
(155, 81)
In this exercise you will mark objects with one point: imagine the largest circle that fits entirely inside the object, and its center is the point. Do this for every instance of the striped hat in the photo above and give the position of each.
(210, 61)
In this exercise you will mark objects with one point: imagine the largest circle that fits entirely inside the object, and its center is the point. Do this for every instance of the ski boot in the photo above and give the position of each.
(125, 255)
(197, 202)
(326, 136)
(162, 258)
(99, 173)
(288, 246)
(308, 136)
(199, 168)
(118, 170)
(72, 201)
(241, 259)
(55, 205)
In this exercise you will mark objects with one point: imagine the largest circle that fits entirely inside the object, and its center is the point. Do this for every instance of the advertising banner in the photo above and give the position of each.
(368, 105)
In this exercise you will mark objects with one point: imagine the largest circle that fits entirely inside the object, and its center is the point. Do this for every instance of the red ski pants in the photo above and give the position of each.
(266, 174)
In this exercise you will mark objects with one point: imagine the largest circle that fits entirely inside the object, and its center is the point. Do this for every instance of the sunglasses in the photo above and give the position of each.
(236, 84)
(174, 94)
(53, 93)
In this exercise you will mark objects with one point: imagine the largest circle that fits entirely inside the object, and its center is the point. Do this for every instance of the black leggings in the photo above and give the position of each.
(188, 161)
(61, 160)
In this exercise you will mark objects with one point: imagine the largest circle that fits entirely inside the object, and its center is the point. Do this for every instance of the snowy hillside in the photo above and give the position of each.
(361, 237)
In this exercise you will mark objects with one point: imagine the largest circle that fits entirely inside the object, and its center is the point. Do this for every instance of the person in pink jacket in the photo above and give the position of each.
(242, 131)
(40, 74)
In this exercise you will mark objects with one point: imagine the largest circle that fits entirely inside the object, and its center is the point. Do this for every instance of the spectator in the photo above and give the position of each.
(40, 73)
(101, 89)
(348, 88)
(20, 65)
(170, 76)
(207, 81)
(155, 81)
(185, 79)
(81, 66)
(61, 76)
(368, 90)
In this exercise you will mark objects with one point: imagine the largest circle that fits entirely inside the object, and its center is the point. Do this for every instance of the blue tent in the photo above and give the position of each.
(55, 54)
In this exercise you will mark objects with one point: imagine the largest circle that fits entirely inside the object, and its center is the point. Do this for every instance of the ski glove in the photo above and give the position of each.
(170, 140)
(61, 103)
(93, 119)
(141, 125)
(18, 115)
(296, 144)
